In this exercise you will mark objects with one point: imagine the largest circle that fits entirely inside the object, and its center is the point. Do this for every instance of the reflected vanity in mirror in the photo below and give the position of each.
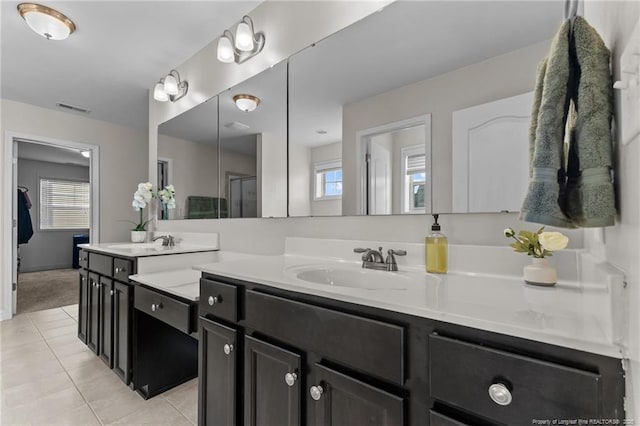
(418, 108)
(227, 157)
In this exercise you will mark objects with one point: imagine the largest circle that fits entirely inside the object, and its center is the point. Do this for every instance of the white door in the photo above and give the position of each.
(14, 229)
(379, 162)
(490, 170)
(249, 197)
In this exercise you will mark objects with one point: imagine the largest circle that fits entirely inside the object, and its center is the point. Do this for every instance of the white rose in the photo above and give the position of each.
(553, 241)
(508, 232)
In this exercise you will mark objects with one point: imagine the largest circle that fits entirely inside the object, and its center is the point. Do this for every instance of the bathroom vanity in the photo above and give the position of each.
(275, 349)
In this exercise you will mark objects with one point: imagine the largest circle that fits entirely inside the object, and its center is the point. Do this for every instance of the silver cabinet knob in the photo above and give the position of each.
(227, 348)
(214, 299)
(156, 306)
(500, 394)
(111, 293)
(118, 270)
(316, 392)
(290, 378)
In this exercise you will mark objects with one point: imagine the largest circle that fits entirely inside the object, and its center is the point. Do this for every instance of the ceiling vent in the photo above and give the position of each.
(73, 108)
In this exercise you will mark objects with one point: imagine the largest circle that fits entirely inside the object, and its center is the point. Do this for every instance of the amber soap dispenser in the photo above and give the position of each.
(436, 249)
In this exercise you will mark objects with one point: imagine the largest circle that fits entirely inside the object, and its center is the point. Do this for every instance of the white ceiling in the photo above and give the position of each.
(119, 50)
(51, 154)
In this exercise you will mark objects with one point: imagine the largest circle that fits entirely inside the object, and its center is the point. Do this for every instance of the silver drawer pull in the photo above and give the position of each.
(227, 348)
(214, 299)
(156, 306)
(500, 394)
(118, 270)
(290, 379)
(111, 293)
(316, 392)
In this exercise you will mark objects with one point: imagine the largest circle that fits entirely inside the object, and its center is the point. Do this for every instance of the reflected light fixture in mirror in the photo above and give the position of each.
(45, 21)
(86, 154)
(245, 102)
(244, 45)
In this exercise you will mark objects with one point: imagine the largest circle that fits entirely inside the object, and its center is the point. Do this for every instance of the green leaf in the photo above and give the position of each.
(540, 230)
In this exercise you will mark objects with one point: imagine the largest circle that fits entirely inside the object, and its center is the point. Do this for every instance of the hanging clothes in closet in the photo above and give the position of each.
(25, 227)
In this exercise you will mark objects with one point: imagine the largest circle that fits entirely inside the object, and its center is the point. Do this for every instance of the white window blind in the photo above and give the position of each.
(416, 163)
(64, 204)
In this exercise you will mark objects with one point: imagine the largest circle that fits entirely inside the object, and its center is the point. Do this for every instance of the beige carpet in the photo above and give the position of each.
(38, 291)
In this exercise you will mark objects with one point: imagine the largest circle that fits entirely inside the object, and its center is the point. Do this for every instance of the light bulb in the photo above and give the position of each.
(244, 37)
(225, 50)
(171, 85)
(159, 94)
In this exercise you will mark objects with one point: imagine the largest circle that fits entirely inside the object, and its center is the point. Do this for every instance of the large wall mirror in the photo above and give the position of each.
(227, 156)
(421, 107)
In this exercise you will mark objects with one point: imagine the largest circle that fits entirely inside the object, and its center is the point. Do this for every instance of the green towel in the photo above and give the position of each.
(590, 200)
(546, 186)
(574, 83)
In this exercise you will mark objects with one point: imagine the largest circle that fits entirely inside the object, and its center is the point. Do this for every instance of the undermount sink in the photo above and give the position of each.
(365, 279)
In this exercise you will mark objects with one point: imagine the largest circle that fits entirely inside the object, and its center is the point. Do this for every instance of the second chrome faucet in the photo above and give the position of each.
(373, 259)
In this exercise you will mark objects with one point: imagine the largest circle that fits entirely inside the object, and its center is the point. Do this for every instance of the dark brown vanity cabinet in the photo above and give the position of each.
(275, 357)
(104, 309)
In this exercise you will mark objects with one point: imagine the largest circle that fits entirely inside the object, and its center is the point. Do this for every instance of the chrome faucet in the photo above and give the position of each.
(167, 240)
(373, 259)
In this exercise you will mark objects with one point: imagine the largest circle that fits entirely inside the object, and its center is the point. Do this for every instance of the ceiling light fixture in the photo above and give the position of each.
(170, 88)
(246, 103)
(47, 22)
(244, 45)
(86, 154)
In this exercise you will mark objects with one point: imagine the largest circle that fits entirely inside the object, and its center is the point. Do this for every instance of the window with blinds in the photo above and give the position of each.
(414, 171)
(64, 204)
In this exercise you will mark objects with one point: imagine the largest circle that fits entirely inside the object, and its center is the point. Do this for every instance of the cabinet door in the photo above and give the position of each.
(217, 372)
(83, 306)
(105, 340)
(122, 330)
(271, 385)
(94, 313)
(343, 401)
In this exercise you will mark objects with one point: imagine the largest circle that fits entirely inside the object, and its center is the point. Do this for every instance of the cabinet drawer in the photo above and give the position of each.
(122, 268)
(83, 259)
(437, 419)
(175, 313)
(462, 375)
(219, 300)
(101, 264)
(370, 346)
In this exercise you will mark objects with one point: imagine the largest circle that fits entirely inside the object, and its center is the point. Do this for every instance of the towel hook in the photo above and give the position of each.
(571, 9)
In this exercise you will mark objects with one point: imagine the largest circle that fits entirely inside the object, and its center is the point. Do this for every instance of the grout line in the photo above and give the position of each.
(65, 369)
(176, 408)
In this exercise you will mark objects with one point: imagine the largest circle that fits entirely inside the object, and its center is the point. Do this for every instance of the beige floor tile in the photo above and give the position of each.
(71, 329)
(75, 346)
(16, 321)
(8, 352)
(63, 340)
(18, 336)
(19, 376)
(89, 372)
(49, 325)
(81, 416)
(116, 405)
(185, 399)
(40, 317)
(79, 359)
(71, 310)
(29, 392)
(27, 360)
(157, 412)
(103, 387)
(50, 407)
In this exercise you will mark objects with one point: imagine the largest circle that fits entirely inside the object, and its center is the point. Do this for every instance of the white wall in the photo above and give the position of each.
(614, 21)
(329, 152)
(300, 180)
(502, 76)
(123, 164)
(47, 249)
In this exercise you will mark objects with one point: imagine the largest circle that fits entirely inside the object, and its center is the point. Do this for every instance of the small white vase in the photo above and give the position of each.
(138, 236)
(540, 273)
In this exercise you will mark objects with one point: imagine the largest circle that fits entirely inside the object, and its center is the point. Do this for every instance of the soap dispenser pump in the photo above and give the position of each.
(436, 249)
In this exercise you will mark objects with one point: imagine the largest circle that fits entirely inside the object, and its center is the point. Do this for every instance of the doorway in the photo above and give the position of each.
(53, 193)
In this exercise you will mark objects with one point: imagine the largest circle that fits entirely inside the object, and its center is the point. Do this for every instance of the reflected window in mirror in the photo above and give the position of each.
(328, 180)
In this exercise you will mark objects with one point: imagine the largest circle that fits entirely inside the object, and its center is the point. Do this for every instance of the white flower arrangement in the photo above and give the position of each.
(537, 244)
(143, 196)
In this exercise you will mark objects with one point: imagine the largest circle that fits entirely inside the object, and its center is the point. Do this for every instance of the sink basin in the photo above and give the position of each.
(365, 279)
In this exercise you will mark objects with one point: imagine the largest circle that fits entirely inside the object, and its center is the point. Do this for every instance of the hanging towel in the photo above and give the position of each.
(25, 228)
(547, 172)
(590, 200)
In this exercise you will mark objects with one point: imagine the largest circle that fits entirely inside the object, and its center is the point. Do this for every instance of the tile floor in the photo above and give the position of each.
(49, 377)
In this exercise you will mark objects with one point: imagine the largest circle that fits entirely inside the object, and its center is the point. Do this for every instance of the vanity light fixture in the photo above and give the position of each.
(47, 22)
(170, 88)
(245, 102)
(244, 45)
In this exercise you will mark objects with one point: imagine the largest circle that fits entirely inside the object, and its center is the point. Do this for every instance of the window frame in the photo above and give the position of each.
(40, 204)
(322, 167)
(407, 180)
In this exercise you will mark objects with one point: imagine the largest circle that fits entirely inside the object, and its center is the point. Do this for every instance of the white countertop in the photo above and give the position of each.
(144, 249)
(570, 314)
(184, 283)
